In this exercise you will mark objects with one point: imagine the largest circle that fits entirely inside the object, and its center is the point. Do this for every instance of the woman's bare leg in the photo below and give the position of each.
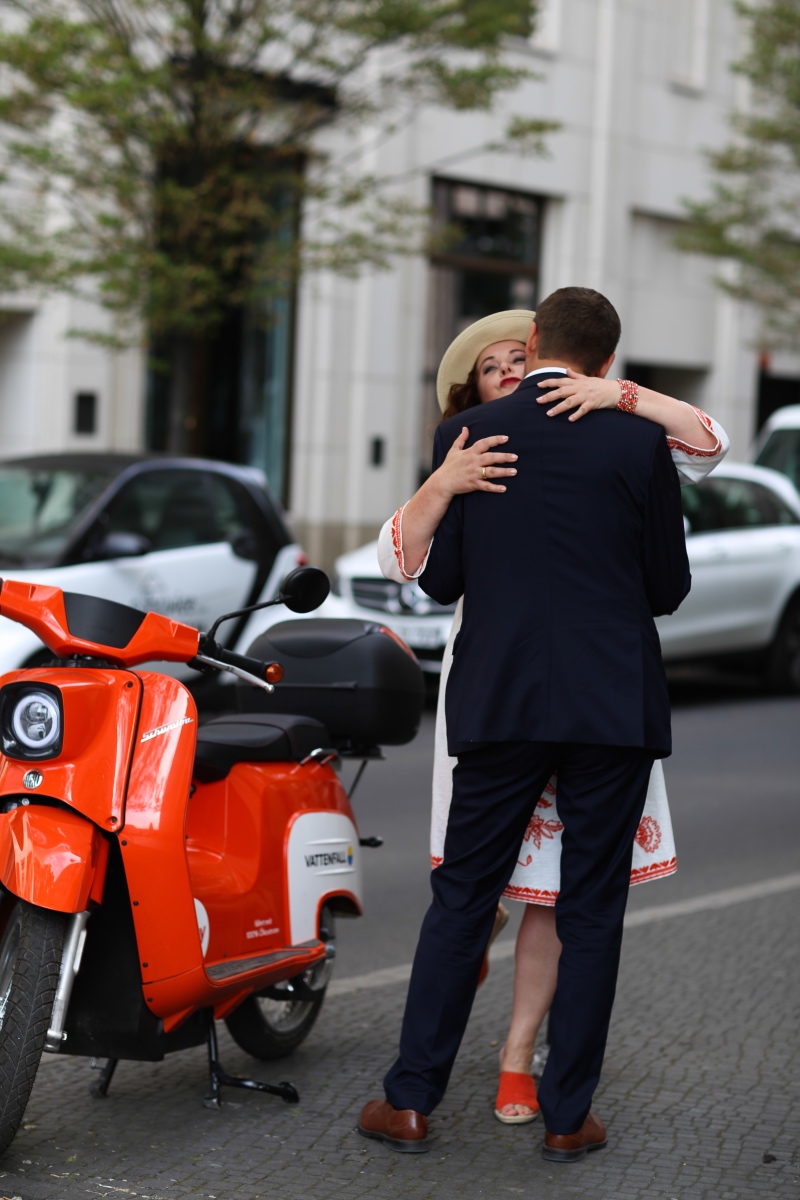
(536, 969)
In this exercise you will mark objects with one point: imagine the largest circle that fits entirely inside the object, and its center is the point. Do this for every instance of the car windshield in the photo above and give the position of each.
(39, 509)
(781, 451)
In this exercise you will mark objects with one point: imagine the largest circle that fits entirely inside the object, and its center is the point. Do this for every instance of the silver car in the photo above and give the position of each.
(743, 539)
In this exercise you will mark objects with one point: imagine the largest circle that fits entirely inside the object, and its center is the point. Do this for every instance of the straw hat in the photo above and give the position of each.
(512, 325)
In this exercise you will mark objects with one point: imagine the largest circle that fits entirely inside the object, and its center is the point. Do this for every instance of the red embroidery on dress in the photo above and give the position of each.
(685, 448)
(654, 870)
(537, 829)
(648, 835)
(549, 896)
(531, 895)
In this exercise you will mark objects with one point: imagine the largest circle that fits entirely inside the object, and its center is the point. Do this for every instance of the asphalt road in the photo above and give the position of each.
(733, 782)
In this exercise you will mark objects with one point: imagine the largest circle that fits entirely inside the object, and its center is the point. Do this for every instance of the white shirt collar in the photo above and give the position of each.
(547, 371)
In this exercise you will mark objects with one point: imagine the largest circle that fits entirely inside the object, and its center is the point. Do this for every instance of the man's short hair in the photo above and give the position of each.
(578, 326)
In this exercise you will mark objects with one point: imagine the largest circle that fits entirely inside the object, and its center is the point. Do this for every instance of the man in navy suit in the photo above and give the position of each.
(557, 667)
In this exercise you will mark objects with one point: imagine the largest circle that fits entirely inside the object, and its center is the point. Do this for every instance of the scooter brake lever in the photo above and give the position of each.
(246, 675)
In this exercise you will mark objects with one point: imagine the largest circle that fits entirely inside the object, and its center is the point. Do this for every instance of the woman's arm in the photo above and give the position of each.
(413, 526)
(583, 393)
(696, 442)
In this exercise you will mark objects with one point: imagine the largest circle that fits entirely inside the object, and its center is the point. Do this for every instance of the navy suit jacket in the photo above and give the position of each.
(561, 576)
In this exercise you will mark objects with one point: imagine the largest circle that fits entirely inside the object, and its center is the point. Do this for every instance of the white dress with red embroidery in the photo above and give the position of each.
(536, 876)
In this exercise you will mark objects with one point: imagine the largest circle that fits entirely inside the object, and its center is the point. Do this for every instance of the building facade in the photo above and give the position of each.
(346, 411)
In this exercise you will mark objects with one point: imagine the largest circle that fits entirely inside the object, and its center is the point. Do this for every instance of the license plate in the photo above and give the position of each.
(423, 637)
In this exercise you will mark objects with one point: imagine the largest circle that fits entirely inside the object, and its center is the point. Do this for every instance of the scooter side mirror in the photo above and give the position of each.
(304, 589)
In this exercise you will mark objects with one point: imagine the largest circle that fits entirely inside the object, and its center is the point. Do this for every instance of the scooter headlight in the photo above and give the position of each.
(31, 721)
(36, 721)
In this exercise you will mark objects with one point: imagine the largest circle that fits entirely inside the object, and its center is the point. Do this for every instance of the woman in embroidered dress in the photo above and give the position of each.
(485, 362)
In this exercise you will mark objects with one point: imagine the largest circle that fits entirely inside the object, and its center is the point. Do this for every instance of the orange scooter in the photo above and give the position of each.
(157, 877)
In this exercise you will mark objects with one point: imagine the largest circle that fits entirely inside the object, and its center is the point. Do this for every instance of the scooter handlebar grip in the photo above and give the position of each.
(255, 666)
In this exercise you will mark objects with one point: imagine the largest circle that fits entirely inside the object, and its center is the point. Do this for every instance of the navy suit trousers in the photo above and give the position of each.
(600, 796)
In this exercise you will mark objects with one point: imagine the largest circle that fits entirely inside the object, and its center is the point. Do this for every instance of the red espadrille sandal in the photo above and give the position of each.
(516, 1087)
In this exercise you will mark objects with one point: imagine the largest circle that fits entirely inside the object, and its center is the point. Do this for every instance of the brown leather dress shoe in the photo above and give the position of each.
(400, 1129)
(569, 1147)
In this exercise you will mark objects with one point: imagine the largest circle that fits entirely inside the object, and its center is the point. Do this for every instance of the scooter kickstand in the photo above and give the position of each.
(220, 1078)
(100, 1089)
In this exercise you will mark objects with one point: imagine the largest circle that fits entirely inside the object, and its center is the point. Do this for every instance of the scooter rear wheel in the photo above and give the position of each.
(271, 1025)
(270, 1028)
(31, 945)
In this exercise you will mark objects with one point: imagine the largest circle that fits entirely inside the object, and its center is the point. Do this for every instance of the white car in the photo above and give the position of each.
(743, 540)
(359, 590)
(185, 537)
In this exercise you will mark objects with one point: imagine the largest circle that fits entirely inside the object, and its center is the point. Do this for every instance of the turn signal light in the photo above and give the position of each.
(396, 638)
(274, 673)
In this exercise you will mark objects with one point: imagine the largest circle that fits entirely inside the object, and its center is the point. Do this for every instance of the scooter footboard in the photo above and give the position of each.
(52, 858)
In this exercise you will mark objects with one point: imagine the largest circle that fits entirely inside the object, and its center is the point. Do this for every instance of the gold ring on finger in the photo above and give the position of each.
(483, 472)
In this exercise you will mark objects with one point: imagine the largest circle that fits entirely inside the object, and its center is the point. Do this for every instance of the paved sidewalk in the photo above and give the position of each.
(701, 1094)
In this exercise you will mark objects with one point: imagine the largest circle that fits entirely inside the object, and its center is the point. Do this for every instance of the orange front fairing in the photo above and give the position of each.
(90, 774)
(153, 840)
(52, 858)
(43, 610)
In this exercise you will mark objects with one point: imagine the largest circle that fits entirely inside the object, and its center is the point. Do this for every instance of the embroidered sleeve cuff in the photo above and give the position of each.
(390, 551)
(692, 462)
(397, 542)
(720, 446)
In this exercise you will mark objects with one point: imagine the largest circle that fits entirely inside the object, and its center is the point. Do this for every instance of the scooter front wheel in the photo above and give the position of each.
(31, 945)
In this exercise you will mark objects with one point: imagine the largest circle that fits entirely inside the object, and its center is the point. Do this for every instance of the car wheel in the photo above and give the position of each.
(783, 663)
(273, 1023)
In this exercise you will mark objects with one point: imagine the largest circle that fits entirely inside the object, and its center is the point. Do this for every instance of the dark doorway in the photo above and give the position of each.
(774, 392)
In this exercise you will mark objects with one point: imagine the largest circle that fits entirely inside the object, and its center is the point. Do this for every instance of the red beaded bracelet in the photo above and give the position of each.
(629, 395)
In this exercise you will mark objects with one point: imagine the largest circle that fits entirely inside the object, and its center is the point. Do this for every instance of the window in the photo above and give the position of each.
(86, 412)
(721, 504)
(171, 509)
(782, 453)
(241, 523)
(689, 38)
(547, 27)
(40, 507)
(492, 259)
(489, 261)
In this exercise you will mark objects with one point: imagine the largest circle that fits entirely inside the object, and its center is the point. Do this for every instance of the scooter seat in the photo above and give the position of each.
(254, 737)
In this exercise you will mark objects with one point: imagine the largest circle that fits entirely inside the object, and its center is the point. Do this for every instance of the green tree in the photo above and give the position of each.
(156, 154)
(753, 214)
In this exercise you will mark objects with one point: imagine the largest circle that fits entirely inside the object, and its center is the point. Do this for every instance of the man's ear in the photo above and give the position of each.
(605, 367)
(532, 344)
